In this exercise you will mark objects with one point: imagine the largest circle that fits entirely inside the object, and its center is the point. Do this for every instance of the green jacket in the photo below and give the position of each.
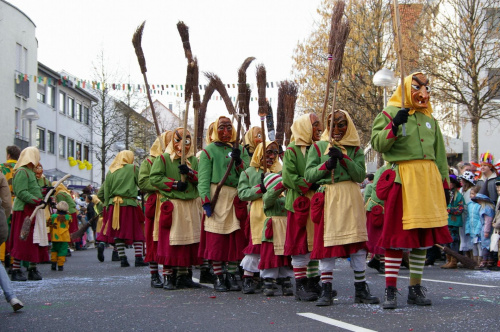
(455, 209)
(371, 192)
(214, 160)
(100, 193)
(165, 172)
(423, 140)
(294, 166)
(26, 188)
(123, 183)
(62, 196)
(143, 179)
(350, 168)
(249, 184)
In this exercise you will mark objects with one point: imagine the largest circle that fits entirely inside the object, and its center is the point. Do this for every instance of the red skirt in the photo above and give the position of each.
(374, 229)
(296, 234)
(178, 255)
(268, 260)
(25, 250)
(73, 226)
(221, 247)
(151, 245)
(131, 225)
(395, 237)
(100, 236)
(251, 248)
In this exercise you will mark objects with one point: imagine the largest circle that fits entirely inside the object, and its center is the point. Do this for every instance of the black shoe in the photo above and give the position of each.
(156, 281)
(60, 268)
(140, 262)
(34, 275)
(7, 261)
(100, 252)
(287, 287)
(362, 294)
(268, 288)
(185, 281)
(124, 261)
(231, 282)
(53, 266)
(381, 269)
(168, 282)
(326, 297)
(115, 257)
(373, 264)
(416, 295)
(313, 285)
(302, 292)
(206, 277)
(248, 286)
(390, 298)
(18, 275)
(219, 284)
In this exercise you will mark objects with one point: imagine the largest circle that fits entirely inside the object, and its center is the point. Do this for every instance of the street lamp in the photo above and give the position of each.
(30, 114)
(384, 78)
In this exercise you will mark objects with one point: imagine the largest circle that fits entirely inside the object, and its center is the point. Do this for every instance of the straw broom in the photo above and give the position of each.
(262, 111)
(136, 41)
(270, 122)
(243, 91)
(209, 90)
(467, 262)
(187, 97)
(79, 233)
(397, 32)
(246, 110)
(280, 115)
(184, 33)
(221, 89)
(196, 102)
(289, 96)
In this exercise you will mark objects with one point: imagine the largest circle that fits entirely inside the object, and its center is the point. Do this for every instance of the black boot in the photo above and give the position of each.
(373, 263)
(34, 274)
(156, 281)
(100, 252)
(232, 283)
(7, 262)
(60, 268)
(124, 262)
(206, 277)
(416, 295)
(248, 286)
(326, 297)
(140, 262)
(168, 282)
(53, 266)
(286, 287)
(362, 294)
(381, 268)
(115, 257)
(268, 289)
(302, 293)
(219, 283)
(17, 275)
(313, 285)
(390, 298)
(185, 281)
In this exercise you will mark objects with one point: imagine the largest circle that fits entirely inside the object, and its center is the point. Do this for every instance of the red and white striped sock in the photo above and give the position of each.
(138, 247)
(217, 265)
(393, 260)
(16, 264)
(327, 277)
(299, 272)
(153, 267)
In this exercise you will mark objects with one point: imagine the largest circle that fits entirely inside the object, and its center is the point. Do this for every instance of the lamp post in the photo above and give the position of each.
(30, 114)
(384, 78)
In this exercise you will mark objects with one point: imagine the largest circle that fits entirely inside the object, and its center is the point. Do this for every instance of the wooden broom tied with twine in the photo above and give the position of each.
(280, 115)
(337, 13)
(243, 91)
(136, 41)
(397, 32)
(209, 90)
(466, 261)
(79, 233)
(187, 97)
(289, 96)
(261, 90)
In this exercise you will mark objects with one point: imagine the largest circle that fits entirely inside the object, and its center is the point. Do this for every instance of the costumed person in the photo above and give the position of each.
(274, 265)
(299, 228)
(7, 168)
(337, 209)
(251, 189)
(253, 138)
(466, 183)
(473, 226)
(208, 139)
(63, 194)
(455, 210)
(28, 196)
(486, 215)
(59, 235)
(415, 185)
(124, 216)
(488, 175)
(152, 204)
(46, 186)
(222, 237)
(180, 214)
(374, 220)
(494, 247)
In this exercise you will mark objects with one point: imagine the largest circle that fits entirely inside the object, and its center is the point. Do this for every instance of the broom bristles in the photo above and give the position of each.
(242, 87)
(184, 33)
(287, 97)
(188, 91)
(136, 41)
(202, 113)
(221, 89)
(467, 262)
(246, 106)
(280, 115)
(196, 88)
(261, 89)
(338, 53)
(337, 13)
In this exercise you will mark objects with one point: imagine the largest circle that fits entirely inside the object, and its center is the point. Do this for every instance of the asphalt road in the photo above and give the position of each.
(93, 296)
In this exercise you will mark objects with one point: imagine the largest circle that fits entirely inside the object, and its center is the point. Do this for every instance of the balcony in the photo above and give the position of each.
(21, 142)
(23, 89)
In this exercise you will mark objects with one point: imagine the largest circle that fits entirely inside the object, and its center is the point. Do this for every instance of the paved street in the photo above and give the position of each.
(93, 296)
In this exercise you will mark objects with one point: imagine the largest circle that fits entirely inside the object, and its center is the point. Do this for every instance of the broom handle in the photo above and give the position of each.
(331, 122)
(155, 120)
(46, 199)
(183, 144)
(400, 57)
(325, 104)
(263, 129)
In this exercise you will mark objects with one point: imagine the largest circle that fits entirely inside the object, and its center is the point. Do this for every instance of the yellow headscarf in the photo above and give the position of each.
(60, 188)
(122, 158)
(208, 138)
(351, 137)
(215, 135)
(250, 138)
(302, 131)
(27, 156)
(260, 153)
(95, 200)
(396, 98)
(170, 147)
(155, 150)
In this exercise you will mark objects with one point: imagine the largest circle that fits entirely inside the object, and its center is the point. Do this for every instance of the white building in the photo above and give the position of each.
(167, 120)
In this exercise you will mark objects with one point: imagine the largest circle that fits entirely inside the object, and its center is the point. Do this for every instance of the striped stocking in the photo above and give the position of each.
(393, 260)
(417, 261)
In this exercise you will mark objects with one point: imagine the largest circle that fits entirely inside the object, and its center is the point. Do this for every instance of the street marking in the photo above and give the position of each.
(449, 282)
(334, 322)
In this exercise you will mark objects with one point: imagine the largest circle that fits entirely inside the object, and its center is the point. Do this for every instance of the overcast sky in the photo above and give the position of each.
(71, 35)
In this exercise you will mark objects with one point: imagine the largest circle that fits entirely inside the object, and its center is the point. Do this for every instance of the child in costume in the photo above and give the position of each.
(59, 235)
(467, 182)
(455, 211)
(486, 214)
(473, 226)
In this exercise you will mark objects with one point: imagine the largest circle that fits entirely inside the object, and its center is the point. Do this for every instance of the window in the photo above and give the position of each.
(494, 82)
(86, 155)
(21, 58)
(51, 142)
(17, 119)
(86, 115)
(71, 107)
(79, 112)
(79, 151)
(62, 146)
(40, 96)
(40, 138)
(71, 148)
(51, 96)
(62, 102)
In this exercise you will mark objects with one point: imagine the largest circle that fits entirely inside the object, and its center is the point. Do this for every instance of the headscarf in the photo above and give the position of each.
(302, 131)
(396, 98)
(215, 135)
(122, 158)
(155, 150)
(61, 188)
(208, 138)
(170, 147)
(27, 156)
(260, 153)
(351, 137)
(95, 200)
(250, 138)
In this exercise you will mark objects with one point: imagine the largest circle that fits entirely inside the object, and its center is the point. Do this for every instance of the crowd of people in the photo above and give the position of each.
(253, 217)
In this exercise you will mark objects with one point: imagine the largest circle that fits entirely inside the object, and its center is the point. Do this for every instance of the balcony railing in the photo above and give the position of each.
(21, 142)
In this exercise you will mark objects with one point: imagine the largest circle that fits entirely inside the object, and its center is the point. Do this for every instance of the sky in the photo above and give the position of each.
(72, 34)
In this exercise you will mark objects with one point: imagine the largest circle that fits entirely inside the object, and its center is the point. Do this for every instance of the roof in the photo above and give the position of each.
(159, 102)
